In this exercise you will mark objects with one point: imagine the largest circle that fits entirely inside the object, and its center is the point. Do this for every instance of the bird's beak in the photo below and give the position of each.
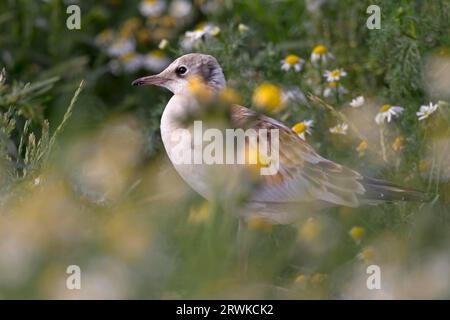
(156, 80)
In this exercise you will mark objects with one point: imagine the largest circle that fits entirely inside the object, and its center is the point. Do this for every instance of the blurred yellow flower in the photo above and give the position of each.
(199, 214)
(230, 96)
(255, 160)
(199, 88)
(268, 96)
(292, 61)
(357, 233)
(310, 231)
(398, 143)
(367, 254)
(152, 8)
(320, 53)
(260, 224)
(301, 279)
(334, 75)
(362, 146)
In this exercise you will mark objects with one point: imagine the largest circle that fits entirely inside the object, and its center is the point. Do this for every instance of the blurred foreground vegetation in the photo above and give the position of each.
(84, 179)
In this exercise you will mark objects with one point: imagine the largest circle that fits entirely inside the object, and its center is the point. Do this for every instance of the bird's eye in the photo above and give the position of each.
(181, 70)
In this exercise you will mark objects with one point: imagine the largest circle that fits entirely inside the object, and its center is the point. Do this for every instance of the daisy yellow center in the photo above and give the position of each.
(335, 73)
(150, 2)
(333, 84)
(367, 254)
(299, 127)
(200, 26)
(320, 50)
(292, 59)
(268, 96)
(357, 233)
(385, 108)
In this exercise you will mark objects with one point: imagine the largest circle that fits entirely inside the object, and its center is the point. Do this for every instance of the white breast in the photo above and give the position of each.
(196, 175)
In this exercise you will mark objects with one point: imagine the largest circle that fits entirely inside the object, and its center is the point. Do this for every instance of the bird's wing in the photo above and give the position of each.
(303, 175)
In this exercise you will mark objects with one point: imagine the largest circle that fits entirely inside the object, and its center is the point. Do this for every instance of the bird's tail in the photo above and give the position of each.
(380, 190)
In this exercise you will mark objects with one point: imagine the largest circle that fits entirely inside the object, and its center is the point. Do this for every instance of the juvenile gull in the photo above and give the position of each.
(305, 180)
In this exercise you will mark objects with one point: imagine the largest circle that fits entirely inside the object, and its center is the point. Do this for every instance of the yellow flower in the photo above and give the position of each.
(320, 49)
(229, 96)
(357, 233)
(292, 61)
(301, 279)
(398, 143)
(199, 214)
(255, 160)
(260, 224)
(334, 75)
(310, 230)
(268, 96)
(362, 146)
(303, 128)
(367, 254)
(387, 112)
(320, 53)
(199, 88)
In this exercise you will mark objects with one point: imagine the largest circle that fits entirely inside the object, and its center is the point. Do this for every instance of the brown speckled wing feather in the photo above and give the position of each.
(303, 175)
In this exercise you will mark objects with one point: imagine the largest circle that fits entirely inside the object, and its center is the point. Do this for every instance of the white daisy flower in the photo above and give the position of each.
(131, 62)
(293, 94)
(320, 53)
(334, 75)
(121, 46)
(332, 88)
(303, 128)
(426, 111)
(340, 128)
(180, 8)
(387, 112)
(357, 102)
(152, 8)
(191, 38)
(292, 61)
(156, 61)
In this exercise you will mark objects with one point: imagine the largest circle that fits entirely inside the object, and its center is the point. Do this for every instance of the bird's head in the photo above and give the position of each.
(176, 77)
